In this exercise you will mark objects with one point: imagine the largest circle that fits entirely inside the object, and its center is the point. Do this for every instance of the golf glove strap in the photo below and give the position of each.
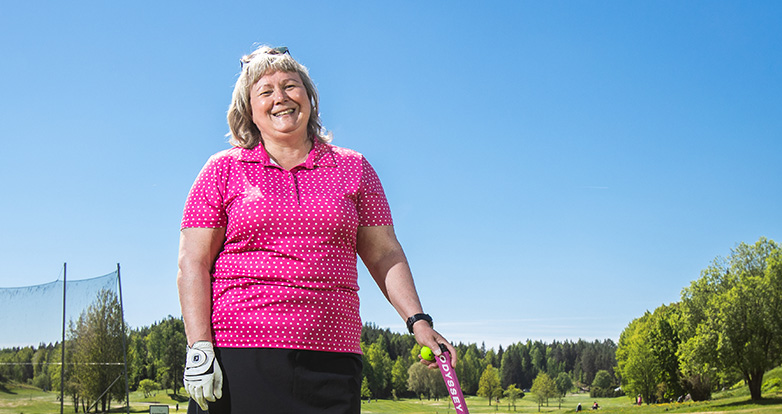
(203, 377)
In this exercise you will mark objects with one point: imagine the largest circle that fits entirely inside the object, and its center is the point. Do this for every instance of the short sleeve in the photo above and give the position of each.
(204, 206)
(373, 209)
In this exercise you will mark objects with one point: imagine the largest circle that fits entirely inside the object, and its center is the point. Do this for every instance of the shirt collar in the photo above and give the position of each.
(321, 155)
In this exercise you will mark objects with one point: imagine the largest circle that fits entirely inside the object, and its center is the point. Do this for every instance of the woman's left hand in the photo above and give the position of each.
(426, 336)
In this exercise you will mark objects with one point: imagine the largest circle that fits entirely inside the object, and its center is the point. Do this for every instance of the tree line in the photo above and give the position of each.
(727, 328)
(156, 355)
(391, 367)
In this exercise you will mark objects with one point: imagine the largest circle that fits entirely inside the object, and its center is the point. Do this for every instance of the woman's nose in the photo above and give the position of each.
(280, 95)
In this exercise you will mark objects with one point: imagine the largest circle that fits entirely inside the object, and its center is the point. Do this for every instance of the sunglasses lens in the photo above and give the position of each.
(276, 51)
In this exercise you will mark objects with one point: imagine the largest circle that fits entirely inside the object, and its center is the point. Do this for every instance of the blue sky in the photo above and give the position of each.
(554, 168)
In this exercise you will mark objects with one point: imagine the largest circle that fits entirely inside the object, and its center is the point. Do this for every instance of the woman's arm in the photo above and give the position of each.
(383, 255)
(198, 249)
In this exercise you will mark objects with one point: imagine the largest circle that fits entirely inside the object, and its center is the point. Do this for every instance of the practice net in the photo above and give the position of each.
(33, 315)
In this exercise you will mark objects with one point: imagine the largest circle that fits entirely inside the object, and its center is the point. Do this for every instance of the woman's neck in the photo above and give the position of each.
(288, 154)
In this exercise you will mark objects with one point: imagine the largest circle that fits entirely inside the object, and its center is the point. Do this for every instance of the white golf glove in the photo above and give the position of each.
(203, 377)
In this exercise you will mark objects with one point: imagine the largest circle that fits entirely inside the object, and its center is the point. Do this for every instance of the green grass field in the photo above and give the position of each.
(29, 400)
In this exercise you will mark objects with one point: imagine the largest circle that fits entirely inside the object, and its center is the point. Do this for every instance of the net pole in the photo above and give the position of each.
(124, 345)
(62, 357)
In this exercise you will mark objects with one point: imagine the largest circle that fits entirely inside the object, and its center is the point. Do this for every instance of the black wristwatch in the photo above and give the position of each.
(418, 317)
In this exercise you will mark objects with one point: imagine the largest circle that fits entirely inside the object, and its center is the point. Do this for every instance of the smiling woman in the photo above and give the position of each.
(267, 277)
(266, 61)
(281, 110)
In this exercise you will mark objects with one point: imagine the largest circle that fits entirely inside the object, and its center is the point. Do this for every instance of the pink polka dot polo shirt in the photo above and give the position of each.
(287, 277)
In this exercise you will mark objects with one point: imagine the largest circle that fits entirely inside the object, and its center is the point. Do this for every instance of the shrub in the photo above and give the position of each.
(597, 392)
(772, 385)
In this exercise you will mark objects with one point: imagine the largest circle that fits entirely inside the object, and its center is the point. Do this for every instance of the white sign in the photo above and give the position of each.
(158, 409)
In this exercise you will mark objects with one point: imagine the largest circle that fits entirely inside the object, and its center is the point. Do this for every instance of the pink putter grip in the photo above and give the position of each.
(451, 382)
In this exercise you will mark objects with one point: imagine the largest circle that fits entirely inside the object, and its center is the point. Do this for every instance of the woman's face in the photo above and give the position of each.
(280, 106)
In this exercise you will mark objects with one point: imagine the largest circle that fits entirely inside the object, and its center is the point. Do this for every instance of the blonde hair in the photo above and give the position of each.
(263, 61)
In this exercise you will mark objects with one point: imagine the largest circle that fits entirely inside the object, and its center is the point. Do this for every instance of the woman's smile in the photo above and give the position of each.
(280, 106)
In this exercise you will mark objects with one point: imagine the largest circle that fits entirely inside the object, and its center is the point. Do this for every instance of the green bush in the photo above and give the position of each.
(772, 384)
(597, 392)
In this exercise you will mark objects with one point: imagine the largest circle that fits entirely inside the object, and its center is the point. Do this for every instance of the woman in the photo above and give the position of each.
(267, 259)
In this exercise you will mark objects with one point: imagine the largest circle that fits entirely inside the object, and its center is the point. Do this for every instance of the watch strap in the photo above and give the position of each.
(418, 317)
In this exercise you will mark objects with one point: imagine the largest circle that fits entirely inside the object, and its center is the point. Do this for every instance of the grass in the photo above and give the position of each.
(23, 399)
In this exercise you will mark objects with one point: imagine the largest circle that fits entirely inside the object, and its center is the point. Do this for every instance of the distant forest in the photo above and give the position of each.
(393, 355)
(156, 356)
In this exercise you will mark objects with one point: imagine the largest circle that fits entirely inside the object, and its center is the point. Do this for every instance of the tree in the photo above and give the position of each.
(490, 358)
(513, 393)
(41, 376)
(637, 366)
(97, 351)
(380, 378)
(734, 314)
(70, 388)
(553, 366)
(399, 376)
(19, 362)
(563, 383)
(489, 385)
(148, 387)
(469, 370)
(139, 366)
(664, 338)
(416, 379)
(602, 379)
(365, 391)
(167, 348)
(588, 364)
(425, 381)
(538, 355)
(526, 365)
(510, 369)
(543, 388)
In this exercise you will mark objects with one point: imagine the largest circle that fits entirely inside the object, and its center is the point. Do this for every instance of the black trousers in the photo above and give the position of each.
(263, 380)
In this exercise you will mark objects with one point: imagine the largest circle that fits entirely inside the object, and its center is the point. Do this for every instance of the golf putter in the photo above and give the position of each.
(451, 381)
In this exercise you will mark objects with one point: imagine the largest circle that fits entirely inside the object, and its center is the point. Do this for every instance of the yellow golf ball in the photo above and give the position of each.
(427, 354)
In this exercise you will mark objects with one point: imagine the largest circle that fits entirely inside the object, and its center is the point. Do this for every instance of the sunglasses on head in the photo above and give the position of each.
(282, 50)
(279, 51)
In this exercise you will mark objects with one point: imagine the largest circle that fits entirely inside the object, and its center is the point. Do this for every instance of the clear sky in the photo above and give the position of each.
(554, 168)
